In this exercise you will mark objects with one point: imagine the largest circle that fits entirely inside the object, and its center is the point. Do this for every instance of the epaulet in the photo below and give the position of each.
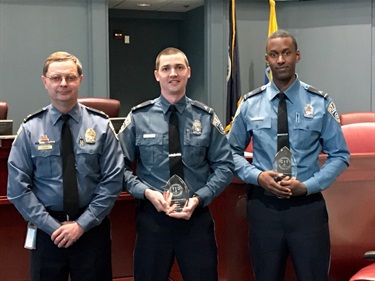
(31, 116)
(313, 90)
(141, 105)
(255, 92)
(201, 105)
(99, 112)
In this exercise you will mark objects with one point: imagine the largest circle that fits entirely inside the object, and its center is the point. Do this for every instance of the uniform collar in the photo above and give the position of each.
(291, 92)
(75, 113)
(180, 105)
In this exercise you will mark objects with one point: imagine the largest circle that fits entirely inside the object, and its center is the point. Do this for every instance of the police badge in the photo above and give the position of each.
(90, 136)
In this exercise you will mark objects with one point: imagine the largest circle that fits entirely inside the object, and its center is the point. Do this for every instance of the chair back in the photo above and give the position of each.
(360, 137)
(109, 106)
(3, 110)
(357, 117)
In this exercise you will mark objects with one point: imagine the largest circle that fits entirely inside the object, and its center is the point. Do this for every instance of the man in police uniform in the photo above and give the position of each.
(80, 245)
(162, 233)
(288, 216)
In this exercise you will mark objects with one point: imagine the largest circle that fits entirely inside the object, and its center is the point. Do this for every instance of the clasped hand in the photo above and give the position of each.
(162, 203)
(67, 234)
(282, 187)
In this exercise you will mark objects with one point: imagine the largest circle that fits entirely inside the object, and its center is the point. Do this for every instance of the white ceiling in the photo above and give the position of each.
(156, 5)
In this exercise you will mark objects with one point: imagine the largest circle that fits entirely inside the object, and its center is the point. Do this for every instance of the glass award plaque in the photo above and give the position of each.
(179, 191)
(285, 163)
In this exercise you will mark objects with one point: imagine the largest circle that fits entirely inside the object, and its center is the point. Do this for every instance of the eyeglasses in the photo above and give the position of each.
(58, 79)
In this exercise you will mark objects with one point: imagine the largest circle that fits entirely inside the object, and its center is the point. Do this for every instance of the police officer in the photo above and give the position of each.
(162, 232)
(78, 245)
(288, 216)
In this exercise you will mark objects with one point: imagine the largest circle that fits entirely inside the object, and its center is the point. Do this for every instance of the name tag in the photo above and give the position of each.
(257, 118)
(30, 241)
(149, 136)
(44, 147)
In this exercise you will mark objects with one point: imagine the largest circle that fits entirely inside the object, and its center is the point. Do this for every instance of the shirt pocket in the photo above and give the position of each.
(260, 129)
(195, 150)
(307, 132)
(87, 159)
(47, 161)
(151, 148)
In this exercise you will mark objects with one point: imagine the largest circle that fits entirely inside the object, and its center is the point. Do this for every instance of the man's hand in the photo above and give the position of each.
(68, 233)
(187, 210)
(160, 201)
(297, 188)
(267, 180)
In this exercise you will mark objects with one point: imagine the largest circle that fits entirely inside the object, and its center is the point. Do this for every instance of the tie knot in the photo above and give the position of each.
(65, 117)
(172, 108)
(281, 96)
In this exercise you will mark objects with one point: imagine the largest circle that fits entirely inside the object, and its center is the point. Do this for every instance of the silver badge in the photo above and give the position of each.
(308, 111)
(197, 127)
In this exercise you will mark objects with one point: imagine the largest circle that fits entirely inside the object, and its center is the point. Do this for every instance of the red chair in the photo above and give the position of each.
(360, 137)
(367, 273)
(356, 117)
(109, 106)
(3, 110)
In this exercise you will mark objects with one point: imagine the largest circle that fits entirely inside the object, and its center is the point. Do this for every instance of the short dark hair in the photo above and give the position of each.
(283, 33)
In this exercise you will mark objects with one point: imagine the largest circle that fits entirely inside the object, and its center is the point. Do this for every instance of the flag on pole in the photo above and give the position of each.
(272, 27)
(233, 68)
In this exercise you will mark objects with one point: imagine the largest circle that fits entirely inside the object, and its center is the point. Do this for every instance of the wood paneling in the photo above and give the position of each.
(351, 208)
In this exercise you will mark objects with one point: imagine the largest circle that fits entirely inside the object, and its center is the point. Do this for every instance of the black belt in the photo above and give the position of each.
(61, 216)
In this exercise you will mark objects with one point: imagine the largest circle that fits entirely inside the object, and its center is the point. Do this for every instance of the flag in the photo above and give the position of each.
(233, 68)
(272, 27)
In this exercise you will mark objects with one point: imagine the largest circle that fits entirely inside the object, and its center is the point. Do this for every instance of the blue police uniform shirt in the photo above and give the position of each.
(313, 128)
(207, 160)
(35, 169)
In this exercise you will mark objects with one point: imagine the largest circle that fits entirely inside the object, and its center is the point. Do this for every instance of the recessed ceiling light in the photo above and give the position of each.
(143, 5)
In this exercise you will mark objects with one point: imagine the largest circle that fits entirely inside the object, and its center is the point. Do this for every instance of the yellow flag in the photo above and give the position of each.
(272, 27)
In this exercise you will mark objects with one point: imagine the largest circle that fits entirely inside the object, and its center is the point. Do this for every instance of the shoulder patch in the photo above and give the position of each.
(127, 122)
(217, 124)
(313, 90)
(99, 112)
(333, 111)
(201, 105)
(32, 115)
(141, 105)
(255, 92)
(112, 129)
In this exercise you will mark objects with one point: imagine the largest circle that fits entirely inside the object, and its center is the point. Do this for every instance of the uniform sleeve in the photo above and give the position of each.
(20, 185)
(221, 164)
(239, 138)
(110, 184)
(132, 184)
(335, 147)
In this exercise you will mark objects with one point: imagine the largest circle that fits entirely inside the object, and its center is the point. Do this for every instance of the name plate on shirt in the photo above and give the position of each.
(285, 163)
(179, 191)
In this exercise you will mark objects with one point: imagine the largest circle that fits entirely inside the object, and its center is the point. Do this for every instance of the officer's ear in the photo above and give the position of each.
(156, 74)
(298, 56)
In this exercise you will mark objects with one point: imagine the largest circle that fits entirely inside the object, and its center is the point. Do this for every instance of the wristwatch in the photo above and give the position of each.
(200, 201)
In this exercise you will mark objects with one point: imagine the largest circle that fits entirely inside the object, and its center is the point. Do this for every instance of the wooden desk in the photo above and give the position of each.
(350, 202)
(351, 207)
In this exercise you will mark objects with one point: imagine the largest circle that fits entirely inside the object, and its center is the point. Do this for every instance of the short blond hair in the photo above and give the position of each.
(61, 56)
